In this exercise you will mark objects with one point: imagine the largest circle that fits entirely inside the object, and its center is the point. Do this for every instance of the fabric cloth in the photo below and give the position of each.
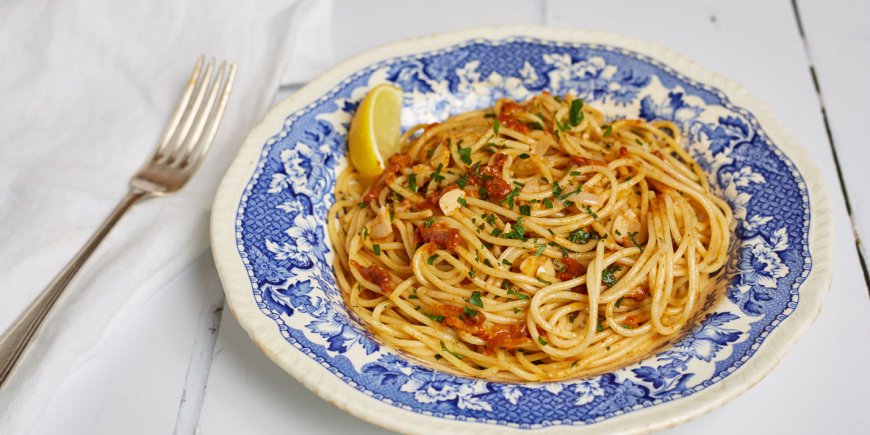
(85, 90)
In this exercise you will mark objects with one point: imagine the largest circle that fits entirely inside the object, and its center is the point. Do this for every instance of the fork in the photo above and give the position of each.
(182, 148)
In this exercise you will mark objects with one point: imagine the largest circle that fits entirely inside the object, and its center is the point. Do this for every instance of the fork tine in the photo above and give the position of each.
(190, 113)
(214, 120)
(202, 118)
(180, 109)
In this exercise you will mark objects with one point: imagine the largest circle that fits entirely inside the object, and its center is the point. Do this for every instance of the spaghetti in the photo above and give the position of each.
(530, 241)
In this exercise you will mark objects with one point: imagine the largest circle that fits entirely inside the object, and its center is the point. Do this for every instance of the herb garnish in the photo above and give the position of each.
(464, 154)
(525, 210)
(437, 318)
(631, 237)
(475, 299)
(590, 212)
(519, 295)
(457, 355)
(607, 277)
(575, 114)
(518, 231)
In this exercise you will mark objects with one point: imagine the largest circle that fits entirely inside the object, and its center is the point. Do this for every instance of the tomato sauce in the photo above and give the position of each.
(505, 336)
(440, 235)
(377, 275)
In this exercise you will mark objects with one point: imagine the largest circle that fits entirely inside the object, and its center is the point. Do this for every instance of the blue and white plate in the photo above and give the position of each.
(274, 258)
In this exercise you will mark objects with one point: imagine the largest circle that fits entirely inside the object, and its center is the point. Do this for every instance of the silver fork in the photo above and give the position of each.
(182, 148)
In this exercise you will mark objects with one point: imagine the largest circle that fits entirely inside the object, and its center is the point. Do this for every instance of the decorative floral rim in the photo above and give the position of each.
(322, 376)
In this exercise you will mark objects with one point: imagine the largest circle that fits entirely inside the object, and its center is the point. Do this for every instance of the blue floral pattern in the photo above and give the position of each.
(281, 217)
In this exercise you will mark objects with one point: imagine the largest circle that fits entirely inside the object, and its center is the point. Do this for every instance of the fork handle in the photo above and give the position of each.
(15, 340)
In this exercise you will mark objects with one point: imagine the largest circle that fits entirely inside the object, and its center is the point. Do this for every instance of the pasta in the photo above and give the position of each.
(530, 241)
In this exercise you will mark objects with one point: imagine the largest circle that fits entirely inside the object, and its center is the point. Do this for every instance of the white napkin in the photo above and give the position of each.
(85, 89)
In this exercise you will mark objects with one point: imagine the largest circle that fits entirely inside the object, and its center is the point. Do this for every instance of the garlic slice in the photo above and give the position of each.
(449, 201)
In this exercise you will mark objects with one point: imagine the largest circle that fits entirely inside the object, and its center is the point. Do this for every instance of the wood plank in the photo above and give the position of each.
(838, 42)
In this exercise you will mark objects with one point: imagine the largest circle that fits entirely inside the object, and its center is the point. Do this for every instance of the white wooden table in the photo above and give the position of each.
(195, 371)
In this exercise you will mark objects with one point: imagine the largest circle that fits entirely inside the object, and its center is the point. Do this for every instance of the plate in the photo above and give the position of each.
(274, 259)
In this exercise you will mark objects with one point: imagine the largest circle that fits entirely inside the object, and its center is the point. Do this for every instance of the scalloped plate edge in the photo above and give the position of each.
(325, 384)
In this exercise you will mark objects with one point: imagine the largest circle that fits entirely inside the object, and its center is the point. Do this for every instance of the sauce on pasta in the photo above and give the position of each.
(530, 241)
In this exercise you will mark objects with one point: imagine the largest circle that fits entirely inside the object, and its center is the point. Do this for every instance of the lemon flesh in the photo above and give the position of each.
(374, 130)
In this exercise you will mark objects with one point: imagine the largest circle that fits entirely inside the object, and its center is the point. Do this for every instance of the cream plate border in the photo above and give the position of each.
(318, 379)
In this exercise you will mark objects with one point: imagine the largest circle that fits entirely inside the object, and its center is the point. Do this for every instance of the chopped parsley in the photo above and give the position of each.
(534, 125)
(490, 218)
(608, 130)
(607, 277)
(464, 154)
(495, 125)
(523, 156)
(518, 231)
(377, 249)
(638, 142)
(413, 294)
(495, 232)
(599, 328)
(541, 248)
(475, 299)
(548, 203)
(362, 204)
(412, 182)
(557, 189)
(510, 197)
(590, 212)
(485, 261)
(571, 317)
(525, 210)
(437, 174)
(542, 341)
(471, 274)
(437, 318)
(577, 190)
(461, 201)
(462, 181)
(543, 281)
(519, 295)
(580, 236)
(431, 260)
(429, 221)
(631, 237)
(619, 302)
(457, 355)
(506, 262)
(469, 312)
(576, 173)
(575, 114)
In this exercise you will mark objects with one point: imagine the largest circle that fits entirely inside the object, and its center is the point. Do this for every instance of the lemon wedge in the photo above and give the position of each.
(374, 130)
